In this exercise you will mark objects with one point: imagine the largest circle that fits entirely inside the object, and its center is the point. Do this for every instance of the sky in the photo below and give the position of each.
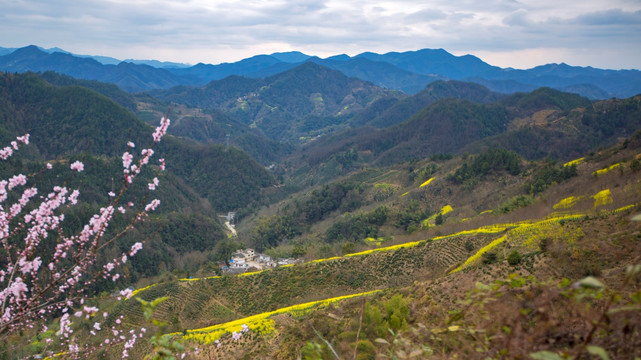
(507, 33)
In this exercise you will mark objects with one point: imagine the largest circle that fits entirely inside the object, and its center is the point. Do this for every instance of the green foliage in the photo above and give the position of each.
(348, 248)
(338, 195)
(271, 231)
(489, 258)
(298, 251)
(412, 214)
(469, 245)
(311, 351)
(423, 174)
(515, 202)
(224, 249)
(165, 346)
(359, 226)
(391, 314)
(514, 257)
(490, 161)
(549, 174)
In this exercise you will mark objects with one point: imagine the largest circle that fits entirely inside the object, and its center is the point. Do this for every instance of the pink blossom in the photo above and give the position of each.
(49, 166)
(110, 266)
(90, 309)
(162, 163)
(18, 289)
(73, 198)
(131, 144)
(97, 326)
(6, 153)
(161, 130)
(236, 335)
(127, 158)
(23, 139)
(78, 166)
(17, 180)
(135, 248)
(127, 294)
(152, 205)
(121, 209)
(111, 194)
(153, 184)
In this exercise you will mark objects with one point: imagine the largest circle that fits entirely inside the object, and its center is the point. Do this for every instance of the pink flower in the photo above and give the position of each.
(152, 205)
(127, 158)
(131, 144)
(78, 166)
(49, 166)
(236, 335)
(16, 181)
(23, 139)
(161, 130)
(135, 248)
(73, 198)
(127, 294)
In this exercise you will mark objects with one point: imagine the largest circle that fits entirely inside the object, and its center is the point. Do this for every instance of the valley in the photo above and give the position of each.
(450, 221)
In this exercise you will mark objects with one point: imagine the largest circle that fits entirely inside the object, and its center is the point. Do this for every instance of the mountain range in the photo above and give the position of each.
(408, 72)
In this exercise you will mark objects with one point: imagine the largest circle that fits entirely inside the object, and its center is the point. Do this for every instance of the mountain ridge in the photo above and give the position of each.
(408, 71)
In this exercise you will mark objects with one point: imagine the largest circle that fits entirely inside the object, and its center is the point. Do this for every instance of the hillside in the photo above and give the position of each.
(541, 123)
(408, 215)
(405, 108)
(303, 101)
(70, 122)
(573, 228)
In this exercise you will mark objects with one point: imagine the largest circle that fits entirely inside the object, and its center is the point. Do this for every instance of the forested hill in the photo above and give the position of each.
(67, 120)
(541, 123)
(286, 105)
(206, 127)
(405, 108)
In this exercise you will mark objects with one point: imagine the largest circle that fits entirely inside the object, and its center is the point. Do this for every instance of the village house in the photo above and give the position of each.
(244, 260)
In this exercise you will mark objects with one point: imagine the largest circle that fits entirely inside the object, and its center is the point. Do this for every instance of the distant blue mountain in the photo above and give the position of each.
(127, 76)
(5, 51)
(244, 67)
(409, 72)
(290, 57)
(435, 62)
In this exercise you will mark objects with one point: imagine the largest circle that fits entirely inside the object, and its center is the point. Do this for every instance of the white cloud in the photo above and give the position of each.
(513, 32)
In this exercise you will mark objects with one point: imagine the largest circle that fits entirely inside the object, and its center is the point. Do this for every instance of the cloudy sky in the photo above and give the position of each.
(515, 33)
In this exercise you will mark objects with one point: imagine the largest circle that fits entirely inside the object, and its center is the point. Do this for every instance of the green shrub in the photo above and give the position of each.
(489, 257)
(514, 258)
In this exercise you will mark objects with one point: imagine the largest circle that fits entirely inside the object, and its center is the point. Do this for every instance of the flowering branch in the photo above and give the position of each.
(35, 282)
